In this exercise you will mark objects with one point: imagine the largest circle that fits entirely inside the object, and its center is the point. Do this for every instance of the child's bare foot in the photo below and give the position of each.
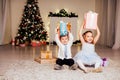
(97, 70)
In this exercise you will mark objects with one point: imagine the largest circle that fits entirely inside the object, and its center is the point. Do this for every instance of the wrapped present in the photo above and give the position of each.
(22, 45)
(35, 43)
(105, 62)
(69, 26)
(46, 54)
(91, 20)
(47, 61)
(63, 28)
(43, 42)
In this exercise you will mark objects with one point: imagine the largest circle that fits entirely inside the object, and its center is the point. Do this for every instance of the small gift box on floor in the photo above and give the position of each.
(46, 54)
(105, 62)
(91, 20)
(47, 61)
(35, 43)
(45, 57)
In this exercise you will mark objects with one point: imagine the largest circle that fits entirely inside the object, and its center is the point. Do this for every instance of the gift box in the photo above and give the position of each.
(45, 61)
(35, 43)
(91, 20)
(22, 45)
(43, 43)
(105, 62)
(46, 54)
(69, 26)
(63, 28)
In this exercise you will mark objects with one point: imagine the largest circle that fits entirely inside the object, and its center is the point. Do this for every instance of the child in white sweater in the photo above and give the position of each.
(64, 43)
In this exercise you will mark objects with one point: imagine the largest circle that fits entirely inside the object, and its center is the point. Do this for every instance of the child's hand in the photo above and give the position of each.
(69, 31)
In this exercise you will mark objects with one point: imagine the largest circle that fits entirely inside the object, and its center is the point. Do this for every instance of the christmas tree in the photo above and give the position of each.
(31, 26)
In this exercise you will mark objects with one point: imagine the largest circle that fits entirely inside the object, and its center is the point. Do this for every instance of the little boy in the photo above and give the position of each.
(64, 43)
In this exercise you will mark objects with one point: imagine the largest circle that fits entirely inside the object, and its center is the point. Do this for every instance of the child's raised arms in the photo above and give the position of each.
(80, 33)
(97, 35)
(95, 39)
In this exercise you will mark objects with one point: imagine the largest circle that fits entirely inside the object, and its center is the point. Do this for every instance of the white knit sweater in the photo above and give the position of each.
(61, 50)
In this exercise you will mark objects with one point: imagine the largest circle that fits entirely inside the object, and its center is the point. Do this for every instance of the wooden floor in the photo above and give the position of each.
(10, 54)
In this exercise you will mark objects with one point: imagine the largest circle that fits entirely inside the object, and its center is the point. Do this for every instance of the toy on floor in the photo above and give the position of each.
(105, 62)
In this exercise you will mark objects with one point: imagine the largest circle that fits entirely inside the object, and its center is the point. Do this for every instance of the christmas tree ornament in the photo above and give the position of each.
(31, 32)
(34, 8)
(24, 38)
(28, 21)
(18, 34)
(32, 26)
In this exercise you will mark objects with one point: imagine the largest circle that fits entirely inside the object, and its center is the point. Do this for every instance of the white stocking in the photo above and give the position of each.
(81, 65)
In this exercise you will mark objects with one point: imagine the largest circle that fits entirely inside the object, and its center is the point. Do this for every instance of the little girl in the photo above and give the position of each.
(88, 56)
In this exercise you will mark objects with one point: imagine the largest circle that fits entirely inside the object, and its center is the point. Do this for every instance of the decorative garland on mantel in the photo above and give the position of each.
(62, 13)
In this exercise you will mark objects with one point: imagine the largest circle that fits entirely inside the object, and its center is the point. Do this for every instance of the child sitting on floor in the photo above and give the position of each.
(87, 55)
(64, 40)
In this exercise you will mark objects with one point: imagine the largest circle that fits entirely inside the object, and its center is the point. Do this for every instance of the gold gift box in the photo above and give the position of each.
(69, 26)
(45, 61)
(45, 57)
(46, 54)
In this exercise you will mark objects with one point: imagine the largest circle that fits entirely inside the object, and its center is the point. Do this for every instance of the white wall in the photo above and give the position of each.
(77, 6)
